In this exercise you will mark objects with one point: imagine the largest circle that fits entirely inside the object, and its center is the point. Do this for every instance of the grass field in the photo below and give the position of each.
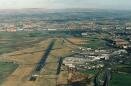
(120, 79)
(93, 72)
(15, 41)
(6, 69)
(123, 78)
(94, 42)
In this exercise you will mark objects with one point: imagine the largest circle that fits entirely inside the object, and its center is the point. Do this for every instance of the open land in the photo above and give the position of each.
(28, 58)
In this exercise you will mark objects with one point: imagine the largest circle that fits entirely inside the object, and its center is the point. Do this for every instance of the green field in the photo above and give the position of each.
(120, 79)
(15, 41)
(93, 72)
(94, 42)
(6, 69)
(123, 78)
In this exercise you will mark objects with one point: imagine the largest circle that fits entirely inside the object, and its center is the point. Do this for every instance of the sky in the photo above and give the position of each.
(62, 4)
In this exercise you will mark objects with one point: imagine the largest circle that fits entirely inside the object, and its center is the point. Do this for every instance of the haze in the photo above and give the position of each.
(61, 4)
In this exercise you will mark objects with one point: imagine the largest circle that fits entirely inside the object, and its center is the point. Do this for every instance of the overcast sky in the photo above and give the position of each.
(58, 4)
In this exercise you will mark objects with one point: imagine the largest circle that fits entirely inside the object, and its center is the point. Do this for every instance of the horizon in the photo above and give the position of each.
(46, 9)
(68, 4)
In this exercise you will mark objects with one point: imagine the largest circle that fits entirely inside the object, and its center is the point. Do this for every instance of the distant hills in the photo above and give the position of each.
(36, 10)
(66, 14)
(25, 11)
